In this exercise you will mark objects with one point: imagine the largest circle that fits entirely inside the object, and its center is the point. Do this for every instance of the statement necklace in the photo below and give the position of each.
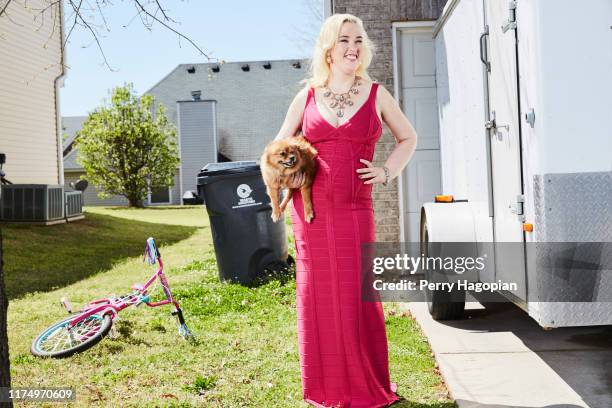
(339, 100)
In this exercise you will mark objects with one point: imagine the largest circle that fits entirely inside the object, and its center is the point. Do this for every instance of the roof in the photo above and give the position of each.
(70, 125)
(230, 64)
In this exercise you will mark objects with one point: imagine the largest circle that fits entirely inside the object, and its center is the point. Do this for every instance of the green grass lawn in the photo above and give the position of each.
(245, 353)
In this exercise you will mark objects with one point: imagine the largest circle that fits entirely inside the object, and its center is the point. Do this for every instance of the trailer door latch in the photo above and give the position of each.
(492, 126)
(510, 24)
(517, 208)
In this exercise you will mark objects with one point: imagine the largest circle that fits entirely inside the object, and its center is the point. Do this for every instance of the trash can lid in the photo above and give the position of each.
(190, 194)
(217, 169)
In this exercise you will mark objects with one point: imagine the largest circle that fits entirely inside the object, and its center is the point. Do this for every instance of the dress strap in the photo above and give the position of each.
(372, 98)
(310, 94)
(372, 95)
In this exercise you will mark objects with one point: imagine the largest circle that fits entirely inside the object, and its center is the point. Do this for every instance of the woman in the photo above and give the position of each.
(342, 339)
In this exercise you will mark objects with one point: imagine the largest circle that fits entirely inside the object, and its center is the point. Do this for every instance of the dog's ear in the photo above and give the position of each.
(305, 146)
(264, 160)
(270, 149)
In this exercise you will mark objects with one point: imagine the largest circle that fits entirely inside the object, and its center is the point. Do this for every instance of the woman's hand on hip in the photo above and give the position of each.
(374, 174)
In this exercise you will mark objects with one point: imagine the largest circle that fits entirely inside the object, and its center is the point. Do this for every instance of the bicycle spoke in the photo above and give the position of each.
(53, 340)
(60, 338)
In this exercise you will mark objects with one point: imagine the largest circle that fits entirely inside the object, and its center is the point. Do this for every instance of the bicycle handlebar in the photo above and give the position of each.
(151, 252)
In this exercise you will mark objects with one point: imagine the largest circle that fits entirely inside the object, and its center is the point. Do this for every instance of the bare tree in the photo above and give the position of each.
(306, 33)
(90, 16)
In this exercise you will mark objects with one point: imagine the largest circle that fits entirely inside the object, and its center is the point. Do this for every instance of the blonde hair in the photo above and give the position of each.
(328, 36)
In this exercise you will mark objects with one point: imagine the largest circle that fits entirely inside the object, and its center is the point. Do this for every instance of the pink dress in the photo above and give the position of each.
(342, 339)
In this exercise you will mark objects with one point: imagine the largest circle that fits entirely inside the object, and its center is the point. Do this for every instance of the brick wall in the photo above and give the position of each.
(377, 16)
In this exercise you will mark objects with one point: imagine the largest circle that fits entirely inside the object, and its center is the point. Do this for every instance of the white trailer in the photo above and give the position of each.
(524, 98)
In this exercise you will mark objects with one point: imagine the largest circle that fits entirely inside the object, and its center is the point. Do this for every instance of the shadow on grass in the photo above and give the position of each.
(404, 403)
(280, 272)
(38, 258)
(156, 208)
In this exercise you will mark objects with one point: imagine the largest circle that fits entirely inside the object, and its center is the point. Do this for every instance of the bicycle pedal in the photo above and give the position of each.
(66, 303)
(113, 333)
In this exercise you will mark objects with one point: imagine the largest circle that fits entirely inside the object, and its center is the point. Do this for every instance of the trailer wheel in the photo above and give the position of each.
(438, 302)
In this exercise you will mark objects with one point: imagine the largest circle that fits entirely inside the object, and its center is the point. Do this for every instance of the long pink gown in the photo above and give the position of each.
(342, 339)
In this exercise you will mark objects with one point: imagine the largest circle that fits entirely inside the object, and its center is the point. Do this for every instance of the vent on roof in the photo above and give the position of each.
(267, 65)
(297, 65)
(191, 70)
(245, 68)
(196, 95)
(216, 68)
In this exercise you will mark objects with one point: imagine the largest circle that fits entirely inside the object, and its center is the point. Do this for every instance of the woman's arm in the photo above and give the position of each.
(293, 119)
(402, 130)
(404, 133)
(291, 125)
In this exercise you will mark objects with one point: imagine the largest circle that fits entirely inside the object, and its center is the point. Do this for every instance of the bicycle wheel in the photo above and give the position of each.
(57, 341)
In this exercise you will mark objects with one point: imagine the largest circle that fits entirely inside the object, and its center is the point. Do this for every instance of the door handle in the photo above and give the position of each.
(483, 49)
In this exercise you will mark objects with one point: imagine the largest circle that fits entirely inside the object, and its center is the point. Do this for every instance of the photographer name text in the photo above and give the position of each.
(424, 284)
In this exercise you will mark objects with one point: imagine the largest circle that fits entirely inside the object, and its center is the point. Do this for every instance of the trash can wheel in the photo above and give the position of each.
(277, 266)
(290, 260)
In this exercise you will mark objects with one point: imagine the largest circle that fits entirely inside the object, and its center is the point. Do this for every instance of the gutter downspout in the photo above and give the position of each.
(57, 83)
(328, 8)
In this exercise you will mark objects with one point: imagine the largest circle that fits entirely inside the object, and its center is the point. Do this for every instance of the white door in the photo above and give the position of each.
(505, 144)
(421, 179)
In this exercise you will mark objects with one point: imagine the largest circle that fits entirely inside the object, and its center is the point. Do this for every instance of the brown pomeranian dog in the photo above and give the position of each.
(281, 159)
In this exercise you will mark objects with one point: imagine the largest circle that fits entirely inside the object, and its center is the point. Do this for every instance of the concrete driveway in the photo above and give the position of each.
(499, 357)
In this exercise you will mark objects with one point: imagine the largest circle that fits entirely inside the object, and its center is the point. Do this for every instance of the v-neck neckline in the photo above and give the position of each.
(351, 118)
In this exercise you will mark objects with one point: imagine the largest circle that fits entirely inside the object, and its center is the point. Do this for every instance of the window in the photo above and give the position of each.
(159, 195)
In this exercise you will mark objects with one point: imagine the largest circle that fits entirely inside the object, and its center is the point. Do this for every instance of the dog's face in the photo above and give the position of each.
(283, 155)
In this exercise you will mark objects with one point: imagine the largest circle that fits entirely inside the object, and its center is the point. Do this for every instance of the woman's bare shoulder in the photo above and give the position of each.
(381, 88)
(300, 97)
(368, 84)
(382, 93)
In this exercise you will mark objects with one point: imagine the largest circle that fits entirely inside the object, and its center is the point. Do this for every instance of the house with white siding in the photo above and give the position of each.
(31, 73)
(222, 112)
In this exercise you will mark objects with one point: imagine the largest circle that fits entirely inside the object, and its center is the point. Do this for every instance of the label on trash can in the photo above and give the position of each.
(244, 194)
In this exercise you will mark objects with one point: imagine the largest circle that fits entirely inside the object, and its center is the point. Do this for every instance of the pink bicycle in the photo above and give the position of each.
(88, 326)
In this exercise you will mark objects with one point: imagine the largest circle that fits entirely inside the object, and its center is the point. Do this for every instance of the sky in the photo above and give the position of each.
(233, 30)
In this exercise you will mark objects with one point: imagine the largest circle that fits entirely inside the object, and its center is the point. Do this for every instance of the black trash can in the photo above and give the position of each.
(245, 238)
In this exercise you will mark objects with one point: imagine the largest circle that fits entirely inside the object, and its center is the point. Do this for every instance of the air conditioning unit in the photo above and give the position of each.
(74, 205)
(32, 202)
